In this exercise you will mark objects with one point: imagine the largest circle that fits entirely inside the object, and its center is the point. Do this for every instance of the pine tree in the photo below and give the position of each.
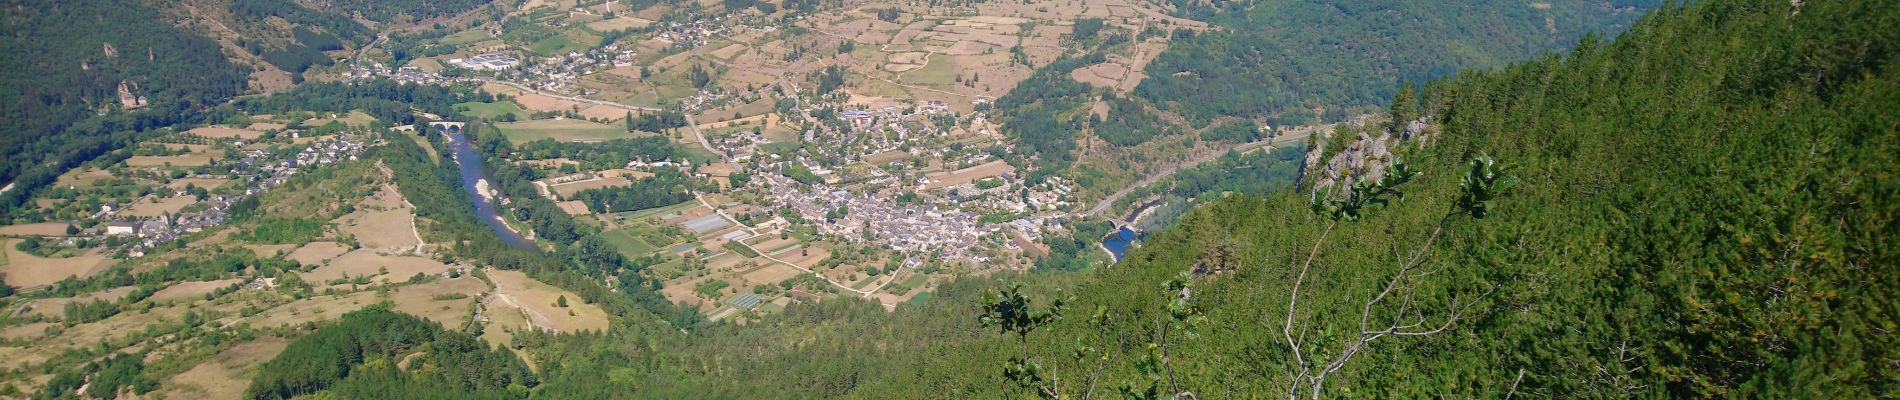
(1404, 107)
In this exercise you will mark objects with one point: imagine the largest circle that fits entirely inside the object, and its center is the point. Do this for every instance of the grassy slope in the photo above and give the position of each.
(494, 110)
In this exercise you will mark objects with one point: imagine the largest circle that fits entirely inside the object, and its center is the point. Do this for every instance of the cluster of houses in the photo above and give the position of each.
(152, 232)
(559, 71)
(949, 234)
(870, 118)
(1052, 194)
(688, 35)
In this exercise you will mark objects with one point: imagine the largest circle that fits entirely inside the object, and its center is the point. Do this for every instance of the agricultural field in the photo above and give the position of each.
(967, 175)
(225, 374)
(193, 289)
(492, 111)
(643, 232)
(355, 119)
(34, 229)
(315, 253)
(632, 242)
(614, 24)
(443, 300)
(377, 267)
(157, 206)
(566, 190)
(539, 102)
(26, 270)
(223, 132)
(182, 160)
(384, 221)
(565, 130)
(539, 304)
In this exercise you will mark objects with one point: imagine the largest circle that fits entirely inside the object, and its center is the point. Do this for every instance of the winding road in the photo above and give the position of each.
(1107, 202)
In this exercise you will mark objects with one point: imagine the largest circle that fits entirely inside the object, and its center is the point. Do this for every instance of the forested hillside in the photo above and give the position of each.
(373, 352)
(65, 63)
(302, 46)
(402, 11)
(1703, 207)
(1283, 58)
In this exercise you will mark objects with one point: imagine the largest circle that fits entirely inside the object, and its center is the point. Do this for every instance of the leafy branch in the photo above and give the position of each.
(1483, 183)
(1184, 319)
(1011, 312)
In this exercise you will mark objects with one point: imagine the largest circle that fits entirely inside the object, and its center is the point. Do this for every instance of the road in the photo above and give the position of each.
(357, 59)
(1105, 203)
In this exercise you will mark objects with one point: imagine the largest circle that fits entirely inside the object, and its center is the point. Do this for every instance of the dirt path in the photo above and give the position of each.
(391, 188)
(412, 227)
(534, 317)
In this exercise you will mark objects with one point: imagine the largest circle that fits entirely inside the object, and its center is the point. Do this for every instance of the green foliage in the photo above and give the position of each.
(1483, 184)
(278, 230)
(387, 100)
(1702, 211)
(1701, 208)
(1128, 123)
(710, 288)
(1404, 107)
(1363, 193)
(354, 358)
(1256, 173)
(405, 11)
(699, 76)
(116, 372)
(309, 45)
(1236, 132)
(657, 121)
(1276, 56)
(1011, 312)
(741, 249)
(799, 172)
(830, 79)
(1086, 28)
(1041, 116)
(666, 187)
(90, 311)
(326, 356)
(55, 88)
(889, 14)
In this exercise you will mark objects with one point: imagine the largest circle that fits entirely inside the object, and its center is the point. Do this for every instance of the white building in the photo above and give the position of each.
(487, 62)
(122, 228)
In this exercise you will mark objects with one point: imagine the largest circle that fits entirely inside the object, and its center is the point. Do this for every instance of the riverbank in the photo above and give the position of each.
(475, 181)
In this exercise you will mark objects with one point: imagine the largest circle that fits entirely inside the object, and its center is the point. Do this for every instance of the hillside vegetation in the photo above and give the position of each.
(65, 64)
(1703, 209)
(1283, 58)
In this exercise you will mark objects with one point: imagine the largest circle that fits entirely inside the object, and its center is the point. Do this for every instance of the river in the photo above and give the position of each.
(475, 179)
(1117, 242)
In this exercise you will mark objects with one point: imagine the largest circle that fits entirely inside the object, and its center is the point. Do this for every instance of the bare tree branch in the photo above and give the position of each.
(1514, 382)
(1404, 322)
(1293, 301)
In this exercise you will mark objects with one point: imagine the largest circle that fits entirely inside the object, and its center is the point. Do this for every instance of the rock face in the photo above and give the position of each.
(128, 99)
(1367, 156)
